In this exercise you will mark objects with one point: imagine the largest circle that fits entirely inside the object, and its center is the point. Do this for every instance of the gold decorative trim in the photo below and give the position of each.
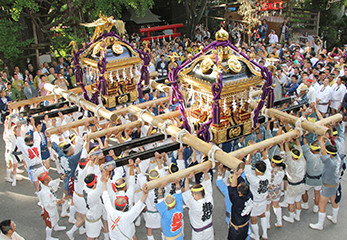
(228, 88)
(133, 96)
(113, 65)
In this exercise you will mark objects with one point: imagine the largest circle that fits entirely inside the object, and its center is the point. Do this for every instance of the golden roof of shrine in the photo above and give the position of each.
(118, 54)
(238, 74)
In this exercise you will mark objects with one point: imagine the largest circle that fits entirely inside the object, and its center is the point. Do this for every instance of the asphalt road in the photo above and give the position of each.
(20, 204)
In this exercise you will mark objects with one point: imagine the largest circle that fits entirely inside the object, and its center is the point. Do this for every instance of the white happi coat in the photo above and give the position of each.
(338, 92)
(324, 96)
(49, 202)
(200, 212)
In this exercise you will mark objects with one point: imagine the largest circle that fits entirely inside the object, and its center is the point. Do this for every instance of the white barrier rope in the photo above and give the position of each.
(141, 115)
(164, 126)
(211, 155)
(265, 114)
(68, 98)
(180, 134)
(298, 125)
(97, 111)
(55, 95)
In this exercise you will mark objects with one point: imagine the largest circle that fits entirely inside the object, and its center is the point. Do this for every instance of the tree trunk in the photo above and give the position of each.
(195, 10)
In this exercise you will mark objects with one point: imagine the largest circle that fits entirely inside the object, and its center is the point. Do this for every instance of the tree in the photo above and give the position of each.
(12, 45)
(332, 24)
(194, 10)
(56, 22)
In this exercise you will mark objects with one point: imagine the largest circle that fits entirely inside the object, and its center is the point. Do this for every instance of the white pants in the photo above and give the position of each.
(258, 208)
(93, 229)
(80, 204)
(152, 220)
(207, 234)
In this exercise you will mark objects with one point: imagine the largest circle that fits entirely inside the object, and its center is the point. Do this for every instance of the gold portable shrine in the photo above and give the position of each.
(239, 78)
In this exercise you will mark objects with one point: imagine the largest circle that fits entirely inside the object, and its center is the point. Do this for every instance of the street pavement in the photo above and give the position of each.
(20, 204)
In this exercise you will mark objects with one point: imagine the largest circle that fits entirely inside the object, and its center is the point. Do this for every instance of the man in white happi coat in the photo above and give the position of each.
(259, 180)
(295, 172)
(200, 203)
(323, 97)
(78, 198)
(120, 217)
(338, 92)
(92, 193)
(11, 151)
(49, 203)
(123, 186)
(152, 216)
(311, 91)
(30, 148)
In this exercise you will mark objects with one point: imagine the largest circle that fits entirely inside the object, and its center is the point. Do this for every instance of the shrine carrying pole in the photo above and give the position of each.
(80, 101)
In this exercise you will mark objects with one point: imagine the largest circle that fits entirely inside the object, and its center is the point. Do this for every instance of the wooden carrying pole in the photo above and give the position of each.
(233, 155)
(205, 147)
(314, 128)
(70, 125)
(118, 112)
(103, 112)
(190, 140)
(161, 87)
(264, 144)
(143, 105)
(133, 124)
(50, 97)
(278, 139)
(334, 118)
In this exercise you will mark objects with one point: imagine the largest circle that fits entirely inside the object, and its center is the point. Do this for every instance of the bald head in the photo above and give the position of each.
(121, 203)
(120, 184)
(170, 201)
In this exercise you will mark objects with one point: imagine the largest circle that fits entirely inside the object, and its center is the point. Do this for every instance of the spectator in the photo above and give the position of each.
(31, 70)
(60, 66)
(43, 91)
(292, 86)
(162, 67)
(16, 71)
(13, 93)
(5, 78)
(37, 79)
(43, 69)
(71, 78)
(2, 84)
(18, 84)
(29, 90)
(263, 30)
(52, 76)
(61, 82)
(273, 38)
(4, 101)
(26, 74)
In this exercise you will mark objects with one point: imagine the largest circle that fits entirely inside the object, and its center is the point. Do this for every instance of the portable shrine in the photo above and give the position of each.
(219, 83)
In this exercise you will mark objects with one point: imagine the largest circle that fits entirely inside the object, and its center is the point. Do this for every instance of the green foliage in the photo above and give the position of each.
(55, 13)
(331, 28)
(62, 37)
(114, 8)
(18, 6)
(11, 47)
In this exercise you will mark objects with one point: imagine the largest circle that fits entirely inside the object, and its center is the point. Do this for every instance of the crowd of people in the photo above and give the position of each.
(101, 198)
